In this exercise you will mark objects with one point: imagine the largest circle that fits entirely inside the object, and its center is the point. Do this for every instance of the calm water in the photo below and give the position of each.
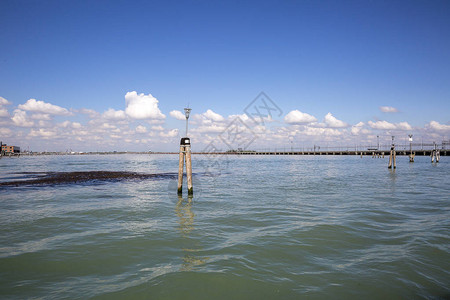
(257, 227)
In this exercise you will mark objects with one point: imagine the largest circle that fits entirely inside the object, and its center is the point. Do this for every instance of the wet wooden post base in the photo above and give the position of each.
(185, 155)
(189, 170)
(392, 158)
(435, 155)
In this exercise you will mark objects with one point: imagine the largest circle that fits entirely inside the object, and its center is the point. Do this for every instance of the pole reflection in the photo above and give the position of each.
(186, 216)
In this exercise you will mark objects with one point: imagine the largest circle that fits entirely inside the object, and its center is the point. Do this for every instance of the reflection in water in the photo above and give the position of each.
(392, 183)
(186, 222)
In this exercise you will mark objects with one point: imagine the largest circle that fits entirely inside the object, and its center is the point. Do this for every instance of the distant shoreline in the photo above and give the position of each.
(443, 152)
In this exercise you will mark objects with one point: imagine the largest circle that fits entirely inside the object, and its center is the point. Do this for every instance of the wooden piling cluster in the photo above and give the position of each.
(435, 154)
(392, 158)
(185, 155)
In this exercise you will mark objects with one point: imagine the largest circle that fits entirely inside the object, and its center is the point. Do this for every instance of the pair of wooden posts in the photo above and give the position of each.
(435, 155)
(185, 155)
(392, 158)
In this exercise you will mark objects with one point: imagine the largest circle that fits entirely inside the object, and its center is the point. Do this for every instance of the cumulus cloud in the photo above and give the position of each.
(158, 128)
(210, 129)
(298, 117)
(177, 115)
(171, 133)
(112, 114)
(433, 125)
(388, 109)
(42, 133)
(3, 101)
(141, 129)
(5, 132)
(314, 131)
(20, 119)
(384, 125)
(107, 126)
(39, 116)
(43, 107)
(4, 112)
(332, 122)
(359, 129)
(209, 114)
(90, 112)
(142, 106)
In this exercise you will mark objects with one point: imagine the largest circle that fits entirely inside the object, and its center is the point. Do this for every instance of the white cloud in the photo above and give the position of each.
(209, 114)
(403, 126)
(4, 112)
(43, 107)
(332, 122)
(298, 117)
(359, 129)
(141, 129)
(171, 133)
(3, 101)
(107, 126)
(388, 109)
(177, 115)
(90, 112)
(142, 106)
(5, 132)
(39, 116)
(20, 119)
(213, 128)
(76, 125)
(433, 125)
(158, 128)
(46, 134)
(112, 114)
(314, 131)
(384, 125)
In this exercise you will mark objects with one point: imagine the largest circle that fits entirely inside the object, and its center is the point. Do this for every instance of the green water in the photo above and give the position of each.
(260, 227)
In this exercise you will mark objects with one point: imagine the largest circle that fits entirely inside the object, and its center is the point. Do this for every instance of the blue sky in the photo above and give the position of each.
(347, 58)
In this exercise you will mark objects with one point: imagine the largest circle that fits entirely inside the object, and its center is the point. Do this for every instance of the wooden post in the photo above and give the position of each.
(189, 170)
(392, 158)
(411, 155)
(185, 154)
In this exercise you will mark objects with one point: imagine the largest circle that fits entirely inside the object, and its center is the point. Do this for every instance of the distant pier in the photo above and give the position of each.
(348, 152)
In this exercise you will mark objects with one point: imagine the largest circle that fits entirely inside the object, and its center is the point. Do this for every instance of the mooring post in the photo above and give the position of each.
(435, 155)
(189, 169)
(185, 155)
(411, 155)
(392, 156)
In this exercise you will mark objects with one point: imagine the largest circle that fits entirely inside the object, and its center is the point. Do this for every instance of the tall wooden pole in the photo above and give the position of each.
(189, 170)
(392, 156)
(185, 155)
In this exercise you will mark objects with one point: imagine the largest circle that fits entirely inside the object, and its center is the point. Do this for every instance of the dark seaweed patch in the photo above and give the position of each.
(55, 178)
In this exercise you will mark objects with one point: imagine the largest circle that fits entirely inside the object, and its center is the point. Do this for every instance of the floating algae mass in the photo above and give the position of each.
(53, 178)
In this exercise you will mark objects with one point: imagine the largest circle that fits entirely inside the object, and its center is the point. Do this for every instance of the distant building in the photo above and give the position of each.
(10, 149)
